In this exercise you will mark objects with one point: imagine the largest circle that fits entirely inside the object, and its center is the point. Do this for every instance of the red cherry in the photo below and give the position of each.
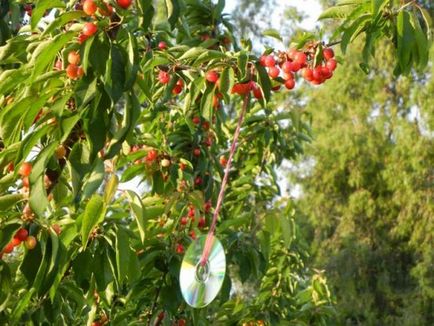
(307, 74)
(163, 77)
(287, 66)
(326, 73)
(107, 11)
(184, 220)
(207, 206)
(292, 53)
(192, 234)
(223, 161)
(212, 76)
(124, 3)
(328, 53)
(58, 65)
(179, 250)
(196, 152)
(331, 64)
(241, 89)
(191, 212)
(30, 242)
(26, 182)
(205, 125)
(72, 71)
(198, 181)
(300, 57)
(82, 38)
(8, 248)
(21, 234)
(152, 155)
(162, 45)
(273, 72)
(16, 242)
(257, 93)
(201, 223)
(262, 60)
(89, 29)
(89, 7)
(25, 169)
(290, 83)
(177, 89)
(275, 88)
(196, 120)
(269, 61)
(317, 74)
(288, 75)
(295, 66)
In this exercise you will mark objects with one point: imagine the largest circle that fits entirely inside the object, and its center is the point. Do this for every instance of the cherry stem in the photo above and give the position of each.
(210, 236)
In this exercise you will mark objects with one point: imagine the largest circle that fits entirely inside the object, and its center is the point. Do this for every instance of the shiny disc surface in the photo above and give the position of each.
(201, 284)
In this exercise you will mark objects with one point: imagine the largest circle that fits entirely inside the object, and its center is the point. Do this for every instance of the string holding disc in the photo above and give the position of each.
(200, 283)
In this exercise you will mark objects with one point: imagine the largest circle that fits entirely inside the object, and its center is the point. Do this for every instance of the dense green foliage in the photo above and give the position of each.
(369, 192)
(126, 167)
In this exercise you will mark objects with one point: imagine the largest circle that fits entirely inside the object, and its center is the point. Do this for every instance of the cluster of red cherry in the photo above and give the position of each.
(22, 235)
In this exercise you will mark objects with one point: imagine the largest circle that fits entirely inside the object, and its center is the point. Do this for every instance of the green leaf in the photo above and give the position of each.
(272, 33)
(336, 12)
(7, 201)
(41, 7)
(405, 40)
(122, 253)
(7, 232)
(44, 55)
(138, 212)
(173, 11)
(428, 21)
(62, 20)
(354, 30)
(95, 179)
(242, 64)
(193, 53)
(206, 102)
(146, 11)
(38, 194)
(114, 79)
(227, 80)
(93, 215)
(264, 81)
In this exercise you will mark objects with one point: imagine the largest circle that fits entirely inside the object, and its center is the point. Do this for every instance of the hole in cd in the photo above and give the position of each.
(202, 272)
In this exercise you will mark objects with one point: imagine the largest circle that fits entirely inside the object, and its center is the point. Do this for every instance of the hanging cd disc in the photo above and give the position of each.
(201, 284)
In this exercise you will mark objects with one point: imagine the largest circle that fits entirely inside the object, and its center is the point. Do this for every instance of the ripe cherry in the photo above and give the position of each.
(191, 212)
(241, 89)
(163, 77)
(30, 242)
(207, 206)
(196, 152)
(124, 3)
(8, 248)
(300, 57)
(223, 161)
(107, 11)
(269, 61)
(21, 234)
(89, 29)
(192, 234)
(205, 125)
(317, 74)
(307, 74)
(212, 76)
(25, 169)
(82, 38)
(80, 72)
(288, 75)
(290, 83)
(26, 182)
(177, 89)
(273, 72)
(89, 7)
(72, 71)
(198, 181)
(162, 45)
(257, 93)
(292, 53)
(196, 120)
(326, 73)
(287, 66)
(16, 242)
(184, 220)
(295, 66)
(152, 155)
(201, 223)
(179, 250)
(328, 53)
(331, 64)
